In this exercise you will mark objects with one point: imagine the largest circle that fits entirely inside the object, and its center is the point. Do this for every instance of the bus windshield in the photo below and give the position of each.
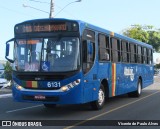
(47, 54)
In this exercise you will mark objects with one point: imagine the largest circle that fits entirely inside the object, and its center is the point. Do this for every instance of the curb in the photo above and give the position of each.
(6, 95)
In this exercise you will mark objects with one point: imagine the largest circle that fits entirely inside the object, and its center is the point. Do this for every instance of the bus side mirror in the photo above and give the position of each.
(7, 56)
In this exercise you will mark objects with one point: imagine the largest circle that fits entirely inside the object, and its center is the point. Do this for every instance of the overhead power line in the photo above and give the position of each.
(39, 1)
(66, 6)
(52, 4)
(35, 8)
(15, 11)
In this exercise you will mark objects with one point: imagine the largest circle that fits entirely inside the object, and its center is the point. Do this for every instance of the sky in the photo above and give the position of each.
(114, 15)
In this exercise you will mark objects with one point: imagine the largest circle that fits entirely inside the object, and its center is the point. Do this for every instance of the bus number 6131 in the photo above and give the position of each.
(53, 84)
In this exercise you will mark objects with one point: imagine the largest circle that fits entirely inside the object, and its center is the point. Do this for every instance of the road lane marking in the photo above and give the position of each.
(5, 95)
(23, 108)
(102, 114)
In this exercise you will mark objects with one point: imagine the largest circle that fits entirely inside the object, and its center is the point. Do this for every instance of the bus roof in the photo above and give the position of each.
(92, 27)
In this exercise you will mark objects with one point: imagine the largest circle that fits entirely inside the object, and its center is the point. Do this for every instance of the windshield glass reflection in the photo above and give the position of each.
(47, 55)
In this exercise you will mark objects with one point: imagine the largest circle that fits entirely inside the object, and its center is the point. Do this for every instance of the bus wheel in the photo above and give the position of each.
(50, 105)
(98, 104)
(138, 92)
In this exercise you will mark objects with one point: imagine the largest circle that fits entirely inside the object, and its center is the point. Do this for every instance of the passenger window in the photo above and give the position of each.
(125, 51)
(144, 55)
(139, 54)
(133, 54)
(115, 45)
(104, 51)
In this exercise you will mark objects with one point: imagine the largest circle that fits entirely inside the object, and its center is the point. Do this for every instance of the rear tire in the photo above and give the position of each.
(138, 92)
(50, 105)
(98, 104)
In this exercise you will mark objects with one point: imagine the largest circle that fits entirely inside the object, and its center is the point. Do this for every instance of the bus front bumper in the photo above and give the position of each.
(72, 96)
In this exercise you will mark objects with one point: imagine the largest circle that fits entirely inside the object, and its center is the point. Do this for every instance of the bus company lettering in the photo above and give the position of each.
(129, 72)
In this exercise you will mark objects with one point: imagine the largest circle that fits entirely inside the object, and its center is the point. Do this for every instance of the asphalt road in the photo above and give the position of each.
(117, 109)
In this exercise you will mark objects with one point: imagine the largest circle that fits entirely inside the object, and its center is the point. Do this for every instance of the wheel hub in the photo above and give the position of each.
(101, 97)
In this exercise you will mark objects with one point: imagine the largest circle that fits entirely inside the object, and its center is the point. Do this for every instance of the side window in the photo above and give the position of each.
(125, 51)
(88, 50)
(139, 55)
(104, 51)
(115, 45)
(149, 57)
(133, 58)
(144, 55)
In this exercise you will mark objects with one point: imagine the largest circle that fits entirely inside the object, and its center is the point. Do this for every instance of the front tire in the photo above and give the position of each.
(98, 104)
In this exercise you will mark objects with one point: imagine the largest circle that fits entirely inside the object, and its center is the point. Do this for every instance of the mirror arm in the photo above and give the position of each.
(7, 51)
(12, 61)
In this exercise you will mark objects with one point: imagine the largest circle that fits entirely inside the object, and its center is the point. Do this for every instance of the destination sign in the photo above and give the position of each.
(60, 27)
(45, 27)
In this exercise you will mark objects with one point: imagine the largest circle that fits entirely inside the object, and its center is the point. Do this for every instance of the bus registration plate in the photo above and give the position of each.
(39, 97)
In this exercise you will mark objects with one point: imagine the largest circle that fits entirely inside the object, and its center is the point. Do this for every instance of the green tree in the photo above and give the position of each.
(8, 70)
(137, 32)
(145, 34)
(154, 40)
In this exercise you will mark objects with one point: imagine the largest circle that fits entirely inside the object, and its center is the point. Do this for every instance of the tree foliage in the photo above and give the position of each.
(8, 70)
(145, 34)
(154, 40)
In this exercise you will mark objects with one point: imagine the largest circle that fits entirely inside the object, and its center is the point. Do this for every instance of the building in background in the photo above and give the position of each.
(156, 58)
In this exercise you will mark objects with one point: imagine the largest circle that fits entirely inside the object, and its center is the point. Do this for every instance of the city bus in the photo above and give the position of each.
(62, 61)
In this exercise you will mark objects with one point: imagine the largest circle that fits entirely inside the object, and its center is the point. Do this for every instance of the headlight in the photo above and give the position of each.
(64, 88)
(18, 87)
(70, 85)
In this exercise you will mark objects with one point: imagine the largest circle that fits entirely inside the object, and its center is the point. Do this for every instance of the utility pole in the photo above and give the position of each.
(51, 13)
(51, 9)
